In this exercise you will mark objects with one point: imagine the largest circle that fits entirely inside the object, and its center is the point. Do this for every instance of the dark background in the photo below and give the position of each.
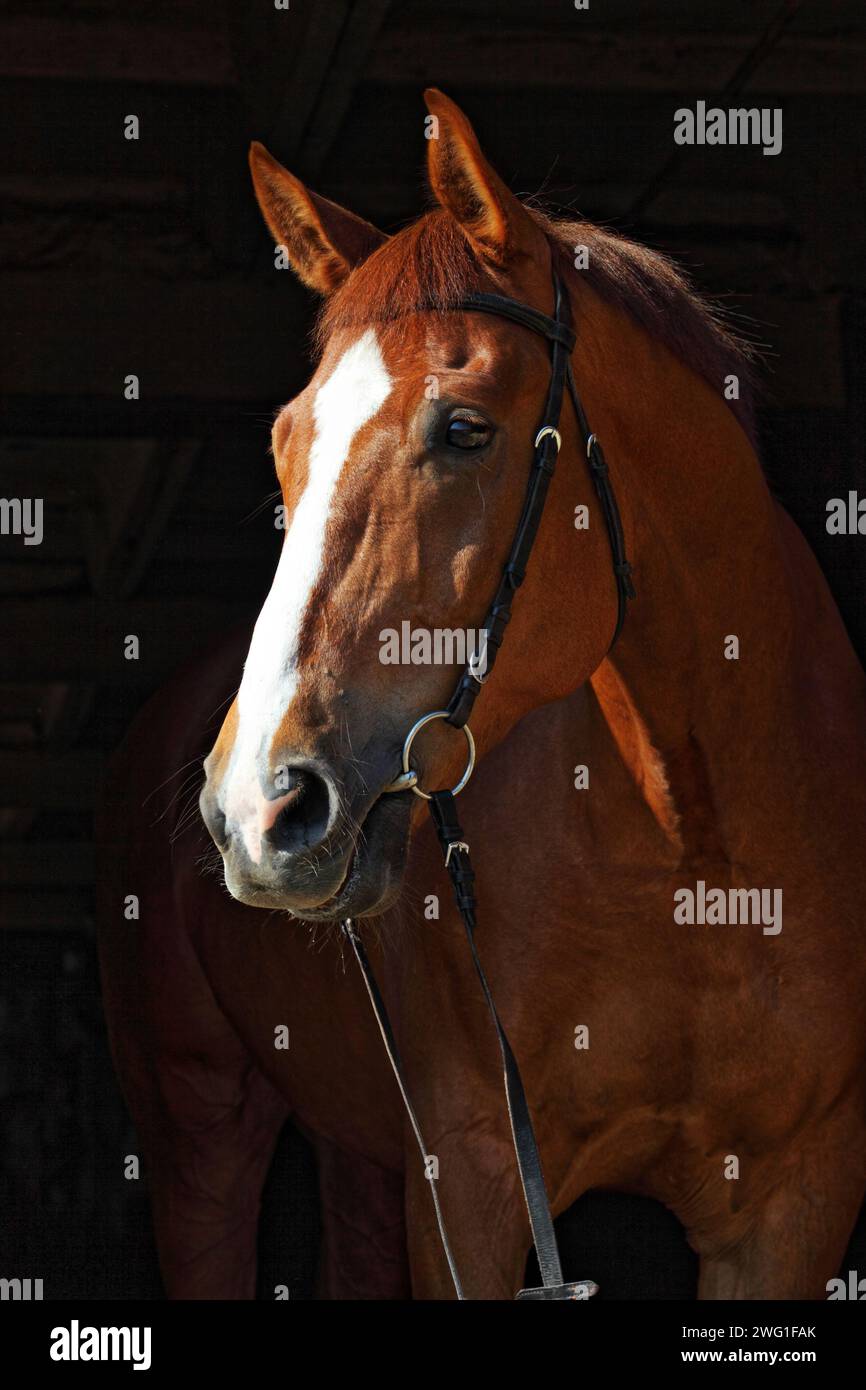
(149, 257)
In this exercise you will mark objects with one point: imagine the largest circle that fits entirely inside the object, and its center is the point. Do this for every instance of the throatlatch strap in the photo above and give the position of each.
(604, 487)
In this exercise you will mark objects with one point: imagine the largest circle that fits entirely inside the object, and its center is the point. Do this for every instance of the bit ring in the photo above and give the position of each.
(408, 779)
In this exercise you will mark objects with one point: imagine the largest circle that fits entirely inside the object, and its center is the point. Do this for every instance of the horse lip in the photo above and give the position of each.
(355, 864)
(351, 871)
(352, 862)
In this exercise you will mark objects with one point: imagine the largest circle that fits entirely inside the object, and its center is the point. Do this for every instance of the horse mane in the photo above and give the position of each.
(431, 266)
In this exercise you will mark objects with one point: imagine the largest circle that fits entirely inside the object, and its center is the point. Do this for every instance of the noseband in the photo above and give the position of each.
(558, 331)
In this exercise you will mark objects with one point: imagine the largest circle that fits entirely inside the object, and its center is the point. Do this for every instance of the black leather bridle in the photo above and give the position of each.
(558, 331)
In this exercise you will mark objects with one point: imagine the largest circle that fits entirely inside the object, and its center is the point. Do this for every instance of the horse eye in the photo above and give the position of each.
(467, 434)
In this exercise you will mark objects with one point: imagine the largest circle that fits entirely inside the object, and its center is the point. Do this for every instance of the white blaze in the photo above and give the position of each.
(355, 390)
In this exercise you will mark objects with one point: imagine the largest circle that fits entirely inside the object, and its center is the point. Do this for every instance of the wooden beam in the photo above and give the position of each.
(69, 189)
(192, 52)
(35, 767)
(314, 55)
(63, 475)
(299, 73)
(412, 52)
(83, 639)
(60, 416)
(48, 864)
(231, 339)
(125, 527)
(29, 909)
(59, 781)
(344, 73)
(23, 577)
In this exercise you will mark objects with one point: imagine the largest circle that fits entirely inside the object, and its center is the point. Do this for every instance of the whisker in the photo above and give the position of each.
(260, 508)
(168, 779)
(184, 788)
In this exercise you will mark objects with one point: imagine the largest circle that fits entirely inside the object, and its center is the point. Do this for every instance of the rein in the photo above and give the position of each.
(558, 331)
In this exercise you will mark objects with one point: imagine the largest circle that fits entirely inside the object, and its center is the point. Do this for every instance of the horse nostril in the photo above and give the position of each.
(303, 820)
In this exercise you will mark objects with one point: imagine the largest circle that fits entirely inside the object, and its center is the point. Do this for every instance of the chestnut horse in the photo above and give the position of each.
(712, 1059)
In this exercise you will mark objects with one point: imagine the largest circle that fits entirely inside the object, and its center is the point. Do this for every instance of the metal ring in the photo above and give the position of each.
(554, 434)
(593, 439)
(407, 748)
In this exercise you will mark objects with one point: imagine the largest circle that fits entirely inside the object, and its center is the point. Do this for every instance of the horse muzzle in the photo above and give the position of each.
(304, 852)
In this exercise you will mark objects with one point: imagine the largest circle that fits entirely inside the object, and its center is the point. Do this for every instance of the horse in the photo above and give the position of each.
(633, 812)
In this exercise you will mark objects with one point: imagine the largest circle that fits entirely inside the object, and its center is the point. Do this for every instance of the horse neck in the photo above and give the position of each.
(705, 541)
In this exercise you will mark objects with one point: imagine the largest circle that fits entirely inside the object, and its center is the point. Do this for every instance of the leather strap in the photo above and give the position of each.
(622, 569)
(560, 334)
(525, 315)
(456, 853)
(444, 813)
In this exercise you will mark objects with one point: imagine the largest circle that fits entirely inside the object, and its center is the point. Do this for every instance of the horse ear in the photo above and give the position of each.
(324, 242)
(464, 183)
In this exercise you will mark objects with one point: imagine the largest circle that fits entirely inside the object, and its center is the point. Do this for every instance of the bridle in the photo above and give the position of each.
(558, 331)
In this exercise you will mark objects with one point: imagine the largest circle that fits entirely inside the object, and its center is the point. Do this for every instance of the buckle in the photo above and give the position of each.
(577, 1292)
(554, 434)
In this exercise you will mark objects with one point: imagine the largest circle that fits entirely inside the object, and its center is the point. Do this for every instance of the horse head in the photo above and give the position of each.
(403, 469)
